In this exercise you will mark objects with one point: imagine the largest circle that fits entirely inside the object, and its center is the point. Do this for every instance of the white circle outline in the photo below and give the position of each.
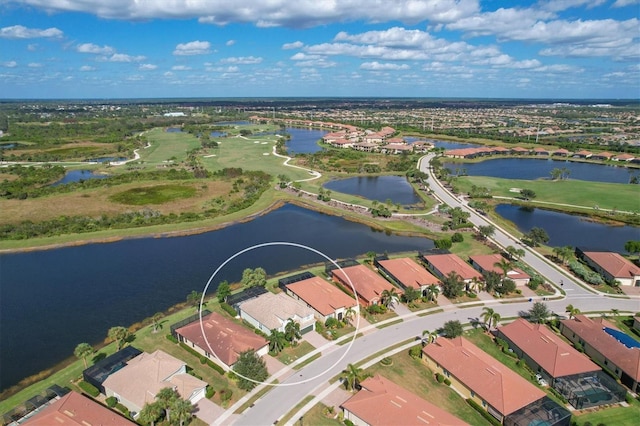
(279, 243)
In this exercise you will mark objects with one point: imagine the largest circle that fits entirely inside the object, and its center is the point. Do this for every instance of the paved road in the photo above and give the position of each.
(282, 399)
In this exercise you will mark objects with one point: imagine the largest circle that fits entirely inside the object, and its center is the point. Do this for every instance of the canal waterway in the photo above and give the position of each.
(381, 188)
(532, 169)
(568, 230)
(54, 299)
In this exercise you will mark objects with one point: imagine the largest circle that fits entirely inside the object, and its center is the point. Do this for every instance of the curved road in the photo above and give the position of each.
(281, 399)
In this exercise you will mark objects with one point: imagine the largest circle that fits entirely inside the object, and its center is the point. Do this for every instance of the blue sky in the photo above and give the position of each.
(265, 48)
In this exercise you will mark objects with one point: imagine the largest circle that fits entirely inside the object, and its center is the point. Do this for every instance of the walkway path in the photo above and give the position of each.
(564, 205)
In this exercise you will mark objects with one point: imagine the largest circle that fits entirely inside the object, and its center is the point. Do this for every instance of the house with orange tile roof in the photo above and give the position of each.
(137, 383)
(518, 150)
(571, 373)
(582, 154)
(612, 266)
(327, 300)
(382, 402)
(605, 344)
(484, 263)
(623, 157)
(476, 375)
(443, 264)
(406, 272)
(602, 156)
(226, 338)
(273, 311)
(541, 152)
(368, 285)
(74, 409)
(561, 152)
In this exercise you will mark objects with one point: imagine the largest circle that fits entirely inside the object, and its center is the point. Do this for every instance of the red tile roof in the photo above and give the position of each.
(614, 264)
(382, 402)
(591, 330)
(446, 263)
(321, 295)
(226, 337)
(503, 389)
(547, 349)
(74, 409)
(367, 283)
(487, 263)
(409, 272)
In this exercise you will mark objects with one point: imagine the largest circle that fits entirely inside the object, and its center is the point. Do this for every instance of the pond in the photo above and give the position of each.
(531, 169)
(568, 230)
(106, 159)
(7, 145)
(75, 294)
(381, 188)
(173, 130)
(304, 140)
(78, 175)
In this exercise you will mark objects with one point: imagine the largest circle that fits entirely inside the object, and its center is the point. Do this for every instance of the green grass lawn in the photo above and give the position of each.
(316, 417)
(611, 416)
(292, 353)
(622, 197)
(166, 146)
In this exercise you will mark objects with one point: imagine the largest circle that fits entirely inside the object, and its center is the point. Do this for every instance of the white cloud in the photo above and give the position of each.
(147, 67)
(244, 60)
(121, 57)
(230, 43)
(624, 3)
(10, 64)
(193, 48)
(300, 56)
(180, 68)
(299, 14)
(86, 68)
(34, 65)
(19, 31)
(95, 49)
(294, 45)
(560, 5)
(377, 66)
(32, 47)
(316, 63)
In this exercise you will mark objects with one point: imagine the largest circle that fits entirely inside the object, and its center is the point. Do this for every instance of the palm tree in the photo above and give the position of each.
(182, 410)
(431, 336)
(572, 311)
(120, 334)
(504, 265)
(349, 313)
(82, 351)
(292, 331)
(615, 312)
(490, 317)
(156, 321)
(166, 397)
(389, 297)
(277, 341)
(432, 292)
(371, 255)
(354, 376)
(150, 413)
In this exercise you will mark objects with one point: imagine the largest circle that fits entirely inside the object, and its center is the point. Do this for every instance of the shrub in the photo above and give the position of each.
(629, 398)
(225, 394)
(447, 382)
(444, 243)
(124, 410)
(483, 412)
(203, 360)
(210, 392)
(439, 377)
(558, 395)
(112, 401)
(89, 388)
(171, 338)
(348, 422)
(457, 238)
(415, 352)
(228, 309)
(207, 361)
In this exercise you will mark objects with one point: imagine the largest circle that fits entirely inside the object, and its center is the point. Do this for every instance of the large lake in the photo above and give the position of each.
(531, 169)
(568, 230)
(52, 300)
(381, 188)
(304, 140)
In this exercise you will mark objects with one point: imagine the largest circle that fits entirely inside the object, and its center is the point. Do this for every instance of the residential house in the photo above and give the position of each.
(273, 311)
(226, 338)
(561, 152)
(75, 409)
(368, 285)
(476, 375)
(541, 152)
(395, 148)
(606, 345)
(487, 263)
(518, 150)
(382, 402)
(406, 272)
(443, 264)
(421, 147)
(623, 157)
(137, 383)
(573, 374)
(327, 300)
(612, 266)
(582, 154)
(603, 156)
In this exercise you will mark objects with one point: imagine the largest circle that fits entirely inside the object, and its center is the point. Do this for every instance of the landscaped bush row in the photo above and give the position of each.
(583, 272)
(228, 309)
(484, 413)
(206, 360)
